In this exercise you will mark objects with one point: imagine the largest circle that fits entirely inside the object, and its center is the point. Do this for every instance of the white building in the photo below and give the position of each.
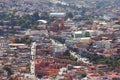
(103, 44)
(59, 48)
(77, 34)
(34, 34)
(69, 23)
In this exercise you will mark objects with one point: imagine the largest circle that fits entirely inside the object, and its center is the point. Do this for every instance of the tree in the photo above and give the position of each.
(66, 53)
(87, 34)
(10, 72)
(101, 73)
(28, 67)
(118, 63)
(44, 16)
(67, 57)
(83, 75)
(69, 15)
(36, 16)
(28, 41)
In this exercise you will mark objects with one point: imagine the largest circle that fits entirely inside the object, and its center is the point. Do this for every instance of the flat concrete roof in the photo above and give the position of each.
(17, 44)
(57, 14)
(78, 32)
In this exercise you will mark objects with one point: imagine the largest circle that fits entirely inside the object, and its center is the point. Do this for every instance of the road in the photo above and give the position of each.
(79, 58)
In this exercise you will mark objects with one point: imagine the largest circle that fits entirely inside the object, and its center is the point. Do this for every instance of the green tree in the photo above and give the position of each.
(87, 34)
(83, 75)
(10, 72)
(44, 16)
(67, 57)
(28, 40)
(118, 62)
(36, 16)
(101, 73)
(69, 15)
(66, 53)
(28, 66)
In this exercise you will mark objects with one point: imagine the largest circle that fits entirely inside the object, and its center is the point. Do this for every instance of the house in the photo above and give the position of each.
(113, 76)
(69, 23)
(77, 34)
(103, 44)
(101, 67)
(94, 76)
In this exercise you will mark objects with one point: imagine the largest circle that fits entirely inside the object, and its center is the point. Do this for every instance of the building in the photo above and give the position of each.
(77, 34)
(69, 23)
(103, 44)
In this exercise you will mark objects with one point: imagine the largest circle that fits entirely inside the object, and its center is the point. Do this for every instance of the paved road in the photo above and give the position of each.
(79, 58)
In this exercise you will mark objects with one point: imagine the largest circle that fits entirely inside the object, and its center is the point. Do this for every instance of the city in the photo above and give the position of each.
(59, 40)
